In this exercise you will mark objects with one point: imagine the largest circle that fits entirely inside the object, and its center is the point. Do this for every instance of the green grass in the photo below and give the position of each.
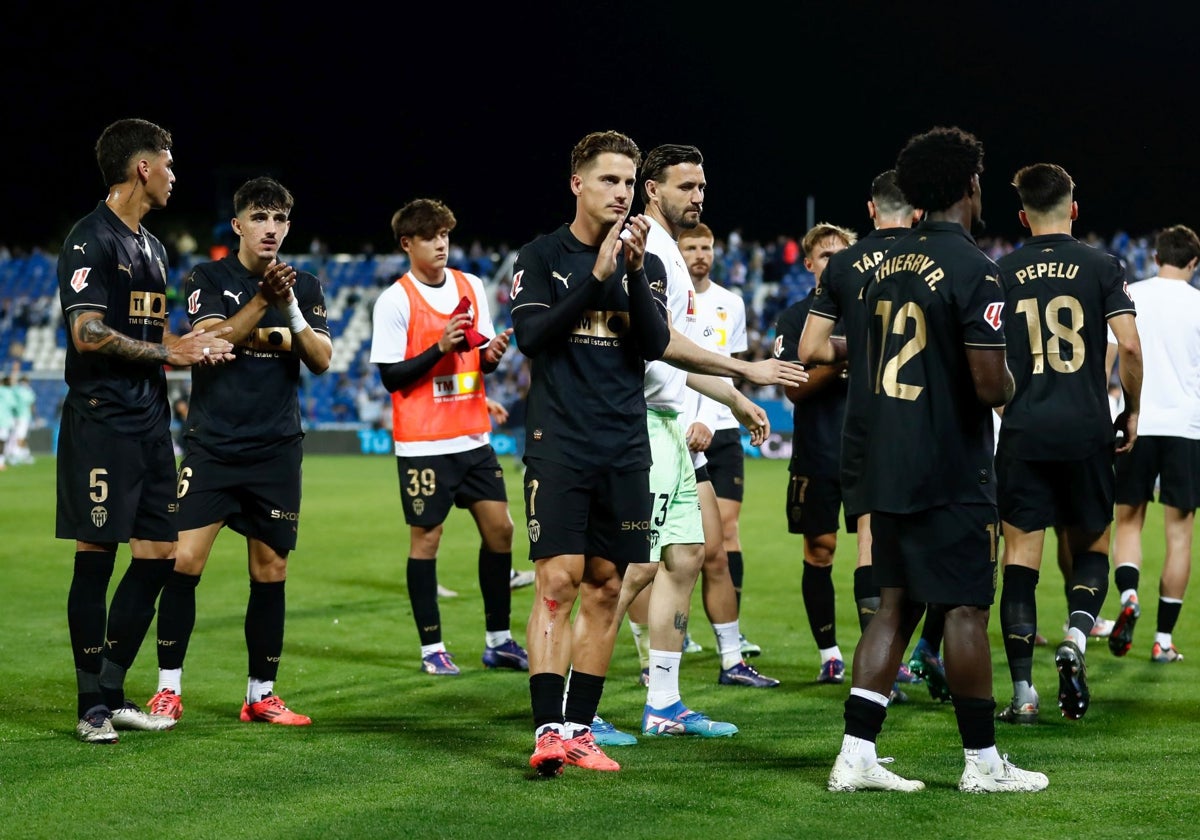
(395, 753)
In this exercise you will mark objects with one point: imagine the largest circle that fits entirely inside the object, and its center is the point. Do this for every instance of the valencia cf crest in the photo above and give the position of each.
(535, 530)
(418, 506)
(99, 516)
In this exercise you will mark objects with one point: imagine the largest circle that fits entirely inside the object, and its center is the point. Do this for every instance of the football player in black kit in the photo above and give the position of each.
(814, 495)
(836, 329)
(116, 463)
(936, 368)
(1055, 457)
(241, 463)
(584, 313)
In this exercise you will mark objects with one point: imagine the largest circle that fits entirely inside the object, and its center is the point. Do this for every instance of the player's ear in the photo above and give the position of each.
(1025, 219)
(1074, 210)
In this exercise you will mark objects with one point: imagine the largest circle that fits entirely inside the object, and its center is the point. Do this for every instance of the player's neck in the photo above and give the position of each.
(1051, 227)
(256, 265)
(429, 276)
(1174, 272)
(655, 213)
(701, 284)
(129, 203)
(587, 231)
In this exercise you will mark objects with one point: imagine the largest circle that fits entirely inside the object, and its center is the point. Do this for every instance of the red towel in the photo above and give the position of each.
(472, 337)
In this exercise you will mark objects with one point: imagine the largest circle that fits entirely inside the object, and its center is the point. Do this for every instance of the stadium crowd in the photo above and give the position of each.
(768, 274)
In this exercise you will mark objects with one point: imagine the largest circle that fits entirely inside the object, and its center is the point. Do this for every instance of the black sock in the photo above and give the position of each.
(176, 619)
(1127, 576)
(1018, 620)
(583, 698)
(976, 721)
(736, 571)
(1089, 586)
(132, 608)
(86, 619)
(866, 596)
(816, 587)
(546, 698)
(1168, 614)
(864, 718)
(265, 613)
(494, 568)
(422, 595)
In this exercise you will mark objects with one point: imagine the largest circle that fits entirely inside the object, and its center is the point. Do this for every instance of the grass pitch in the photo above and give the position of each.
(395, 753)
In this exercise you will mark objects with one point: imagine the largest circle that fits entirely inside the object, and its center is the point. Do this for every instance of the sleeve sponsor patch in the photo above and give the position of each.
(193, 302)
(993, 315)
(79, 279)
(516, 286)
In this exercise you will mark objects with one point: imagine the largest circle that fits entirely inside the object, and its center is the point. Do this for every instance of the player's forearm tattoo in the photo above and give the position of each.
(110, 342)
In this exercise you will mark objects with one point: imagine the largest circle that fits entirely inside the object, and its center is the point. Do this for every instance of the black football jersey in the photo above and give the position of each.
(929, 438)
(106, 267)
(816, 420)
(246, 408)
(585, 405)
(1059, 294)
(840, 298)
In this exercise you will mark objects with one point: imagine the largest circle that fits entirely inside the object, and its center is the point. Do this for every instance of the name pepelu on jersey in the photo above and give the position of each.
(601, 328)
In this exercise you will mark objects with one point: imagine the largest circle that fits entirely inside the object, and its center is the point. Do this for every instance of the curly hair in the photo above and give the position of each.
(934, 169)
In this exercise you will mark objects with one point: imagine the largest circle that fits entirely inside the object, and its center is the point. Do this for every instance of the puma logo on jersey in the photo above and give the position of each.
(80, 248)
(236, 298)
(128, 269)
(564, 280)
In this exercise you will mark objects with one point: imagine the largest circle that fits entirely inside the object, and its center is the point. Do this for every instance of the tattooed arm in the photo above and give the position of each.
(91, 335)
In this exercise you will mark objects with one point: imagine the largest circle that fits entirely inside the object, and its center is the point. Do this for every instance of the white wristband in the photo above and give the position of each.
(299, 325)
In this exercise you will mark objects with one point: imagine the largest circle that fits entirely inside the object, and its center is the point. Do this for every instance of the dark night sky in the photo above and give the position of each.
(358, 111)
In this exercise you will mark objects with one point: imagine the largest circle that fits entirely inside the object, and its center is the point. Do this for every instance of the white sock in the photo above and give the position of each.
(258, 689)
(495, 638)
(1163, 639)
(1076, 635)
(834, 652)
(989, 756)
(433, 648)
(729, 643)
(641, 640)
(861, 752)
(867, 694)
(664, 679)
(171, 678)
(1127, 594)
